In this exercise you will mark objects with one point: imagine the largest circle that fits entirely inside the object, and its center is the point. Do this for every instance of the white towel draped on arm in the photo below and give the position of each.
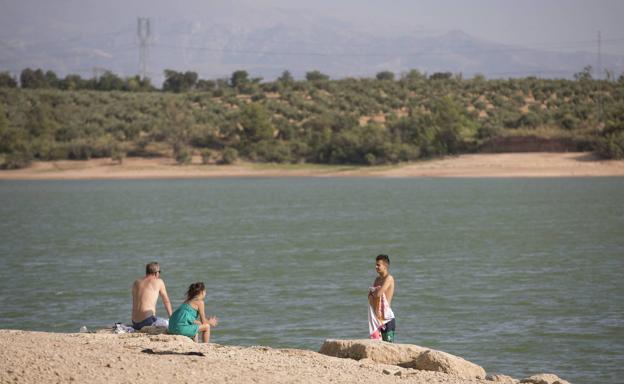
(375, 323)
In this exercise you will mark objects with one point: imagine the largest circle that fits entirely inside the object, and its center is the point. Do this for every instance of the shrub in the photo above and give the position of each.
(488, 130)
(569, 122)
(117, 154)
(229, 156)
(271, 151)
(206, 154)
(316, 76)
(79, 150)
(16, 160)
(181, 153)
(370, 159)
(385, 75)
(611, 146)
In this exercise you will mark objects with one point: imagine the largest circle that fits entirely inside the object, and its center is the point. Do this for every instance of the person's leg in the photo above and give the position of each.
(205, 330)
(387, 333)
(388, 336)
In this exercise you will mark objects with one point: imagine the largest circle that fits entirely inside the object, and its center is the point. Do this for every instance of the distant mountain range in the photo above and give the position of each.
(276, 40)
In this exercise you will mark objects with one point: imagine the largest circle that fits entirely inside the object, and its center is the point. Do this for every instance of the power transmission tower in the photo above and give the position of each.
(598, 78)
(144, 33)
(98, 71)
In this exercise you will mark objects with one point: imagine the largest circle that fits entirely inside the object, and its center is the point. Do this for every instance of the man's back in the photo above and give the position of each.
(145, 293)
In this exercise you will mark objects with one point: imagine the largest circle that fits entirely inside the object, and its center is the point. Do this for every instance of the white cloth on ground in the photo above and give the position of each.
(161, 322)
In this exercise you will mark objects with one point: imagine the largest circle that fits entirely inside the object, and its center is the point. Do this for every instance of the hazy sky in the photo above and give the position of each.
(535, 23)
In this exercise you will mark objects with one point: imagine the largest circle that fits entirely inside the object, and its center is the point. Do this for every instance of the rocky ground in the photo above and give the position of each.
(37, 357)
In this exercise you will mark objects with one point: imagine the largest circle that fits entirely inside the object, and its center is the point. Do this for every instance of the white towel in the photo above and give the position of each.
(375, 323)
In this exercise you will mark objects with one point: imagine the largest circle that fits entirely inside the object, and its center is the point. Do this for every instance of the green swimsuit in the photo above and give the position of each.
(182, 321)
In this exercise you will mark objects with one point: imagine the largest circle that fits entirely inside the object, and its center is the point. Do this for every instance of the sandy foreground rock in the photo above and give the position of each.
(39, 357)
(403, 355)
(384, 353)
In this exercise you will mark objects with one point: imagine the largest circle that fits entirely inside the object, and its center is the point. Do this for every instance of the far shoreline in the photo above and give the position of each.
(499, 165)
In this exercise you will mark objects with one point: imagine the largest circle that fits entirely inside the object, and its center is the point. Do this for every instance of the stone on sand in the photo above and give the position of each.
(372, 350)
(501, 379)
(439, 361)
(404, 355)
(544, 378)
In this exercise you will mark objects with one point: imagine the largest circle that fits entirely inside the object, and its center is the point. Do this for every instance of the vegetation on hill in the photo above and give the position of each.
(363, 121)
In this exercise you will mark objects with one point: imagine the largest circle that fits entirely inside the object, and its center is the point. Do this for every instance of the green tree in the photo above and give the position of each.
(413, 76)
(110, 82)
(7, 81)
(181, 153)
(441, 76)
(32, 79)
(585, 74)
(178, 81)
(256, 123)
(229, 156)
(136, 84)
(206, 85)
(173, 81)
(385, 75)
(51, 79)
(6, 140)
(239, 78)
(286, 78)
(453, 125)
(316, 76)
(40, 122)
(72, 82)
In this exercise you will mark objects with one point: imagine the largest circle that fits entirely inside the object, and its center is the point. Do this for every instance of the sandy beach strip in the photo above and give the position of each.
(39, 357)
(541, 164)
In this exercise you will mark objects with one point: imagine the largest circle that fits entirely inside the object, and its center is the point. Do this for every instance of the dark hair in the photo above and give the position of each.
(194, 290)
(383, 258)
(152, 268)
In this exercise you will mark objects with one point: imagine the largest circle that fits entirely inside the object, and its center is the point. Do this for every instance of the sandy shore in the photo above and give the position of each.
(477, 165)
(36, 357)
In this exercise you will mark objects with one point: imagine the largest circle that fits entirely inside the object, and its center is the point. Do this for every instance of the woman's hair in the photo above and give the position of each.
(194, 290)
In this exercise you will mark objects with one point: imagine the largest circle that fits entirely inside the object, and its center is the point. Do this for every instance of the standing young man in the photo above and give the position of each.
(381, 321)
(145, 292)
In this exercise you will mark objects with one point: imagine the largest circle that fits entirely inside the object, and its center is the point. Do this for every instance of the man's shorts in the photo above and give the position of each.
(387, 331)
(145, 323)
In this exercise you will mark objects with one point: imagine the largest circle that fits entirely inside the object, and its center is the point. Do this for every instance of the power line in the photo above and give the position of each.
(66, 55)
(364, 54)
(28, 44)
(144, 34)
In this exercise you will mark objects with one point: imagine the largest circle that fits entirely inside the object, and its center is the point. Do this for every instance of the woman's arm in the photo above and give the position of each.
(201, 311)
(212, 320)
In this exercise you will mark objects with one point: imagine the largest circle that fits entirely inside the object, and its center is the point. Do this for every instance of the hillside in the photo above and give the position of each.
(349, 121)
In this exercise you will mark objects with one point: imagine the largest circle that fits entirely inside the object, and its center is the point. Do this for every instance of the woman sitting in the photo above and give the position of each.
(190, 318)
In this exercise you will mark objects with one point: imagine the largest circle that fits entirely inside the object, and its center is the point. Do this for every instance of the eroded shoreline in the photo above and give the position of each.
(541, 164)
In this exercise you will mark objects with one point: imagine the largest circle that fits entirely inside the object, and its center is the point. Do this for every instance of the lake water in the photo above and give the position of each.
(520, 276)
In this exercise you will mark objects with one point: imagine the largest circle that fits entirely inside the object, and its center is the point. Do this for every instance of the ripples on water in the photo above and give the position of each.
(520, 276)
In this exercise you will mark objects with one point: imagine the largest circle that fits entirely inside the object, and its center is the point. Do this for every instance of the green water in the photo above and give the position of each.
(518, 275)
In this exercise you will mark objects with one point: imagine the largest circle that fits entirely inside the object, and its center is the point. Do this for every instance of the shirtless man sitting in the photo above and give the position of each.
(145, 292)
